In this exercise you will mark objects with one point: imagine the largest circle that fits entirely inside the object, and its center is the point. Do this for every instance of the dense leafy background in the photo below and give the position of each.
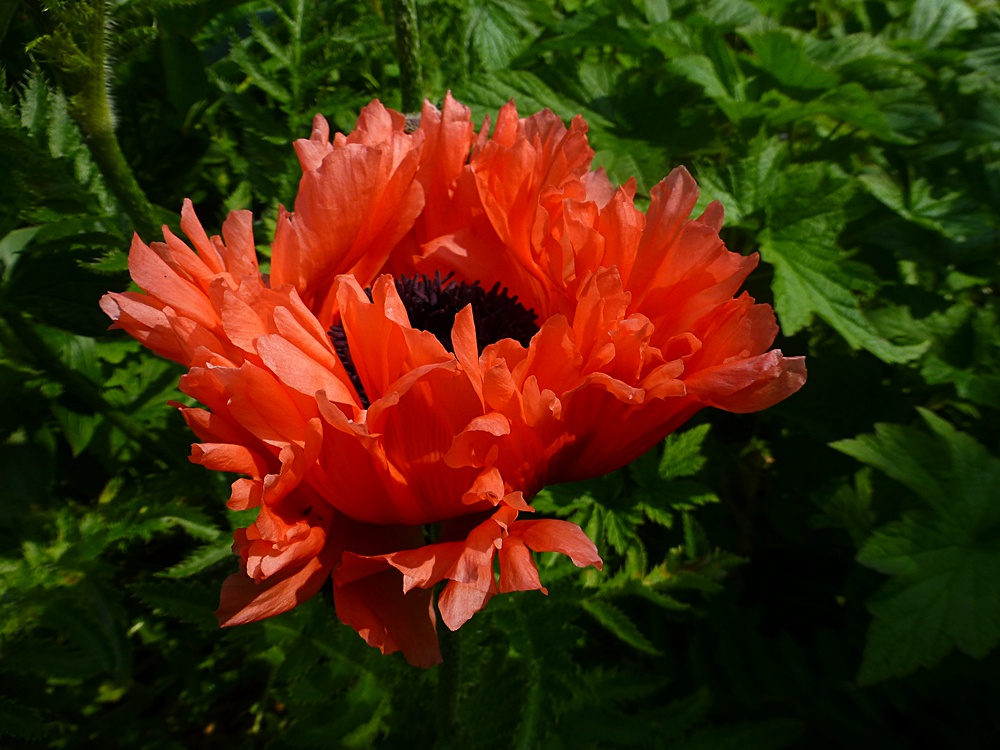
(822, 575)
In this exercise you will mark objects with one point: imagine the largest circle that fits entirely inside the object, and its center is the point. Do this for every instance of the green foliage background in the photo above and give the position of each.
(822, 575)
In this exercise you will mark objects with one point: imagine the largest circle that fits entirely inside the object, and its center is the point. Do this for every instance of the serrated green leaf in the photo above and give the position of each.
(498, 30)
(931, 22)
(949, 470)
(716, 69)
(972, 386)
(187, 601)
(698, 69)
(850, 104)
(744, 186)
(259, 77)
(487, 93)
(657, 515)
(804, 217)
(19, 721)
(650, 589)
(682, 456)
(695, 540)
(946, 594)
(684, 713)
(849, 507)
(784, 56)
(945, 564)
(619, 624)
(618, 530)
(199, 560)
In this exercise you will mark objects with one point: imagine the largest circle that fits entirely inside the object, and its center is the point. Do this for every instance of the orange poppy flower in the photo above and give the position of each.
(451, 322)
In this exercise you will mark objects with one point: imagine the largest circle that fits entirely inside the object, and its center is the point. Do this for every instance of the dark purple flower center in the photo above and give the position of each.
(431, 305)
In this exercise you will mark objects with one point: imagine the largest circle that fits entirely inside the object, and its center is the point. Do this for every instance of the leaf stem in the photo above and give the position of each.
(408, 52)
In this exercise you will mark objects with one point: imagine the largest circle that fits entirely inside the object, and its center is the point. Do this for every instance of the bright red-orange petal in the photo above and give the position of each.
(517, 568)
(371, 595)
(388, 619)
(448, 139)
(350, 211)
(244, 601)
(751, 384)
(548, 535)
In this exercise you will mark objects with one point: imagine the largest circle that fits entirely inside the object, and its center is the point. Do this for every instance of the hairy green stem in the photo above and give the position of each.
(408, 52)
(74, 39)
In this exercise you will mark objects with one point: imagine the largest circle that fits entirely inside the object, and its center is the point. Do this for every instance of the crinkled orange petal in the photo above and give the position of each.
(350, 210)
(243, 600)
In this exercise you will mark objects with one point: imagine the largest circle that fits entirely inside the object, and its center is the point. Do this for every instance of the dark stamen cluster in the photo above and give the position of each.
(431, 305)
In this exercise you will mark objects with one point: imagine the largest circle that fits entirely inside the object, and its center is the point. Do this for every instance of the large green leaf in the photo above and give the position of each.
(933, 21)
(945, 563)
(783, 55)
(498, 30)
(744, 186)
(914, 200)
(805, 215)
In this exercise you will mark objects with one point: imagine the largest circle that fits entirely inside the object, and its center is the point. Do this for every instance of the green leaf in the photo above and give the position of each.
(972, 386)
(784, 56)
(698, 69)
(78, 428)
(186, 601)
(682, 456)
(850, 103)
(487, 93)
(619, 530)
(13, 244)
(932, 21)
(945, 594)
(721, 82)
(743, 186)
(199, 560)
(945, 214)
(950, 471)
(619, 624)
(20, 721)
(945, 563)
(498, 30)
(804, 217)
(259, 77)
(848, 507)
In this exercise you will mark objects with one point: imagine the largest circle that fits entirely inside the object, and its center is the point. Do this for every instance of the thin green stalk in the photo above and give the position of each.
(530, 724)
(408, 52)
(449, 681)
(74, 40)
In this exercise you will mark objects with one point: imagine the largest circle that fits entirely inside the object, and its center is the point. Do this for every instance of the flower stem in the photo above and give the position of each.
(408, 52)
(449, 681)
(528, 729)
(74, 40)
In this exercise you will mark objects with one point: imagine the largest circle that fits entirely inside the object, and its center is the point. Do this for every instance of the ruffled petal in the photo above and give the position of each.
(373, 597)
(352, 208)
